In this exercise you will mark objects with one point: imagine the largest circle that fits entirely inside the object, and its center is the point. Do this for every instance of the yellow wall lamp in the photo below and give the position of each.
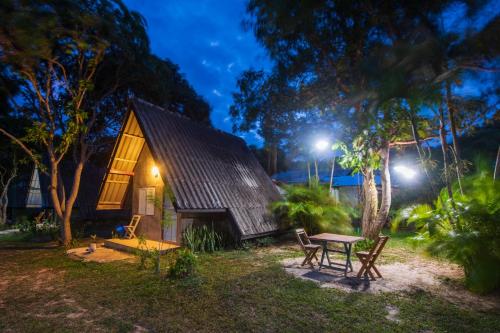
(155, 171)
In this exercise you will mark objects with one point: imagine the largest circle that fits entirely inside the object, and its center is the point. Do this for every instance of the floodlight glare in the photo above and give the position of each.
(405, 171)
(321, 145)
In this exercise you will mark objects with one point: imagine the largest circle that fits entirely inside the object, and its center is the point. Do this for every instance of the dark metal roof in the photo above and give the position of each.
(208, 169)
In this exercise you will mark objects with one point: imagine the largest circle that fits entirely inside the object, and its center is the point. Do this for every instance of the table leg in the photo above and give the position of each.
(348, 263)
(322, 256)
(328, 256)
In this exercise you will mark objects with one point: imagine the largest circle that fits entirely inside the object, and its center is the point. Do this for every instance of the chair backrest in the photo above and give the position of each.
(302, 237)
(377, 247)
(135, 220)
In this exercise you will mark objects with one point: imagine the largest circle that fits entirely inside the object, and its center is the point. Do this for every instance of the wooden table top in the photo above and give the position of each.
(335, 238)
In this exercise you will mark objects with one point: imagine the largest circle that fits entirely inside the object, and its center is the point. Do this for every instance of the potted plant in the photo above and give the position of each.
(93, 243)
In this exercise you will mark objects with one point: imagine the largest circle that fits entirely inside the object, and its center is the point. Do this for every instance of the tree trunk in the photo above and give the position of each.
(4, 203)
(496, 173)
(370, 202)
(453, 123)
(61, 191)
(67, 237)
(268, 150)
(275, 159)
(309, 172)
(63, 209)
(416, 137)
(4, 196)
(331, 174)
(444, 149)
(453, 129)
(385, 204)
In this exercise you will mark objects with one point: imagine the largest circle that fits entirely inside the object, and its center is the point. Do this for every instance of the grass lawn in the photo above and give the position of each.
(41, 290)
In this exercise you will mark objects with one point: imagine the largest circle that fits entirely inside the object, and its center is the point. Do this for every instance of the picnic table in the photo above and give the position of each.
(347, 242)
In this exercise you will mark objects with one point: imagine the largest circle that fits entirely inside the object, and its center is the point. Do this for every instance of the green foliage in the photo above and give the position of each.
(143, 253)
(47, 230)
(202, 239)
(25, 225)
(364, 245)
(185, 264)
(265, 241)
(465, 229)
(362, 155)
(312, 208)
(246, 245)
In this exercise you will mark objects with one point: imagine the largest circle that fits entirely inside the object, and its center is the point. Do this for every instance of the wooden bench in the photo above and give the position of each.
(368, 258)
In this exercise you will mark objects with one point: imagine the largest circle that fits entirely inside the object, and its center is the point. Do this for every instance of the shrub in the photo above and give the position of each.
(26, 225)
(265, 241)
(246, 245)
(46, 230)
(202, 239)
(148, 258)
(185, 264)
(466, 230)
(313, 208)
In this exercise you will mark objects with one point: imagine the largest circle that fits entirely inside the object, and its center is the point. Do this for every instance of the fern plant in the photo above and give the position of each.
(466, 229)
(313, 208)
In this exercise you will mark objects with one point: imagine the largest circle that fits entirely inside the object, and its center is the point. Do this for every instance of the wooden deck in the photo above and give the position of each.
(132, 245)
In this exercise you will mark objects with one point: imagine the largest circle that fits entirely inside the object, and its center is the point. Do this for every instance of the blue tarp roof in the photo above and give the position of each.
(341, 177)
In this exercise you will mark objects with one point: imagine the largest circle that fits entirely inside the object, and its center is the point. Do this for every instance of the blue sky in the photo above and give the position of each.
(206, 39)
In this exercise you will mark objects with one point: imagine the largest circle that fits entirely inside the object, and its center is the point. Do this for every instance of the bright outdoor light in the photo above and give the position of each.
(405, 171)
(155, 171)
(321, 145)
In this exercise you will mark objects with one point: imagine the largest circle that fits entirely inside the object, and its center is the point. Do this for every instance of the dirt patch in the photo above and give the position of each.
(413, 274)
(102, 254)
(44, 279)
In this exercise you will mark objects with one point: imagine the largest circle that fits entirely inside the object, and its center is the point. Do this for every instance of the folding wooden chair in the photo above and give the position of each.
(368, 258)
(309, 249)
(130, 229)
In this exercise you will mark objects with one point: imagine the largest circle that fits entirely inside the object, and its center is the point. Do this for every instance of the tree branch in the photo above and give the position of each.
(480, 68)
(411, 142)
(26, 149)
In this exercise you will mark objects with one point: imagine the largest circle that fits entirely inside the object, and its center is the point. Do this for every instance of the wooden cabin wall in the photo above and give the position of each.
(150, 225)
(170, 232)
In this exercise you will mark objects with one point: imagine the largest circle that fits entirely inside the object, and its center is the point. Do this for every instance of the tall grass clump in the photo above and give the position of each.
(202, 239)
(465, 229)
(313, 208)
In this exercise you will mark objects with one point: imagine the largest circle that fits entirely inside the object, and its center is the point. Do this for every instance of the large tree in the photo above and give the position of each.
(366, 61)
(77, 62)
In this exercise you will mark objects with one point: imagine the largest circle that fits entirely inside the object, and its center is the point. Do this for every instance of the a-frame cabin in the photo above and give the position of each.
(169, 165)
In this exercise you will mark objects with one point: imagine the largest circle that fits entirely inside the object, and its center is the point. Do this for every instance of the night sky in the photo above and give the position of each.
(207, 40)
